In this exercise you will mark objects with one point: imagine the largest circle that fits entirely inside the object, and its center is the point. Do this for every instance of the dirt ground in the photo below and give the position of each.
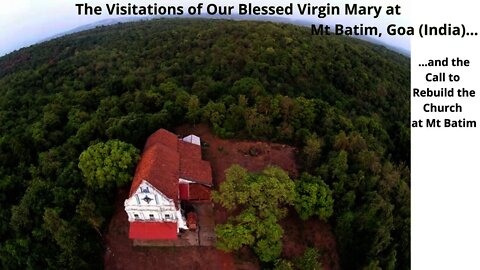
(255, 156)
(311, 233)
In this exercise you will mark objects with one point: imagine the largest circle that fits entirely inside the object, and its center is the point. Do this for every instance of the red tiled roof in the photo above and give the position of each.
(189, 150)
(165, 159)
(153, 230)
(159, 165)
(192, 167)
(164, 137)
(196, 170)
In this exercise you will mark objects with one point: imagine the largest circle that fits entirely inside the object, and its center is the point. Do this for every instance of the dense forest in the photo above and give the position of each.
(343, 102)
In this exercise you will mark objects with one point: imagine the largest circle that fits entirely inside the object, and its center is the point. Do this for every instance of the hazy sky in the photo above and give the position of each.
(25, 22)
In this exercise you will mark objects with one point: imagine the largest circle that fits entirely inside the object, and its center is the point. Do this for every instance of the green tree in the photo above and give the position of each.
(314, 197)
(267, 191)
(108, 164)
(193, 110)
(88, 212)
(214, 113)
(310, 260)
(238, 236)
(248, 87)
(262, 198)
(63, 234)
(268, 234)
(312, 149)
(283, 264)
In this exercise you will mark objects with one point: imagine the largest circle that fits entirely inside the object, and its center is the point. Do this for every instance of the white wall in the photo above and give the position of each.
(162, 208)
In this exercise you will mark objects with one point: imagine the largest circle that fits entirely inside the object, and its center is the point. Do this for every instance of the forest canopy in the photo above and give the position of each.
(343, 102)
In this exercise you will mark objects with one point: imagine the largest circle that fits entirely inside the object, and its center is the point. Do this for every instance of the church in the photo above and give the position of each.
(170, 175)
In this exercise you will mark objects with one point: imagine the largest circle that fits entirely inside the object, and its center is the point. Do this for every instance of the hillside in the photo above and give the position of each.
(342, 101)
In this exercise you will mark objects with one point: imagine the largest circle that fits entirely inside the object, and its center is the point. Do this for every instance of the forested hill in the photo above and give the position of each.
(343, 101)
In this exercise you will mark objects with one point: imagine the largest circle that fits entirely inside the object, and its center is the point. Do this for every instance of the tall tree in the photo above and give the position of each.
(108, 164)
(314, 197)
(262, 199)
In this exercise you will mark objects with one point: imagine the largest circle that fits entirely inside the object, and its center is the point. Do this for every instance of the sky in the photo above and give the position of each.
(26, 22)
